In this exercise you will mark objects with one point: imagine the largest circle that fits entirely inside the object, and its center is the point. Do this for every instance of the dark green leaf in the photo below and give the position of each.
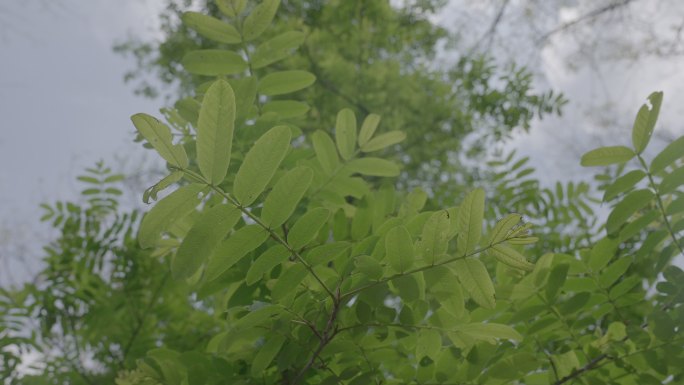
(265, 262)
(266, 354)
(671, 153)
(623, 184)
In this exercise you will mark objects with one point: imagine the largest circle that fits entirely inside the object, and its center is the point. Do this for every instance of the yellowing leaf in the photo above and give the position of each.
(604, 156)
(211, 227)
(261, 163)
(158, 135)
(284, 82)
(211, 28)
(215, 128)
(166, 212)
(282, 201)
(213, 62)
(475, 279)
(307, 227)
(345, 133)
(259, 20)
(399, 249)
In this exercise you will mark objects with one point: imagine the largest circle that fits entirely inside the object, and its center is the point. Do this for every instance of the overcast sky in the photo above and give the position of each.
(64, 105)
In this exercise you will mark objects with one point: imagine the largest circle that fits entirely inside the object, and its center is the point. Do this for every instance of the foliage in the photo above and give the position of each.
(284, 254)
(371, 57)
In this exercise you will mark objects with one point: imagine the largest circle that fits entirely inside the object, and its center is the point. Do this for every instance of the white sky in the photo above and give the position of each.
(64, 105)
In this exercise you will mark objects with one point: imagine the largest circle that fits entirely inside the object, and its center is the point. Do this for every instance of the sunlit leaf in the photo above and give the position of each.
(511, 257)
(383, 141)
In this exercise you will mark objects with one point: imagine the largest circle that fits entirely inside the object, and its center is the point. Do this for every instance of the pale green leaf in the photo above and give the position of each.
(429, 343)
(368, 266)
(231, 8)
(370, 124)
(604, 156)
(286, 109)
(211, 28)
(671, 181)
(282, 201)
(259, 19)
(265, 262)
(623, 183)
(645, 122)
(261, 163)
(503, 227)
(167, 211)
(669, 155)
(629, 205)
(266, 354)
(288, 281)
(233, 249)
(215, 128)
(161, 185)
(470, 218)
(384, 140)
(211, 227)
(345, 133)
(285, 82)
(511, 257)
(475, 279)
(213, 62)
(325, 151)
(307, 227)
(489, 331)
(434, 239)
(602, 252)
(277, 48)
(399, 249)
(373, 167)
(245, 94)
(158, 135)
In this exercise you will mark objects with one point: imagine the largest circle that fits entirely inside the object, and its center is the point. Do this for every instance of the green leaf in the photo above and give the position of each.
(256, 317)
(675, 206)
(258, 21)
(623, 183)
(429, 343)
(265, 262)
(233, 249)
(369, 266)
(307, 227)
(669, 155)
(277, 48)
(671, 181)
(288, 281)
(630, 204)
(382, 141)
(286, 109)
(613, 272)
(602, 252)
(345, 133)
(557, 278)
(373, 167)
(470, 218)
(434, 239)
(231, 8)
(211, 28)
(158, 135)
(245, 94)
(161, 185)
(261, 163)
(370, 124)
(215, 128)
(282, 201)
(325, 151)
(489, 331)
(213, 62)
(285, 82)
(503, 227)
(475, 279)
(645, 122)
(167, 211)
(508, 256)
(211, 227)
(605, 156)
(266, 354)
(399, 249)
